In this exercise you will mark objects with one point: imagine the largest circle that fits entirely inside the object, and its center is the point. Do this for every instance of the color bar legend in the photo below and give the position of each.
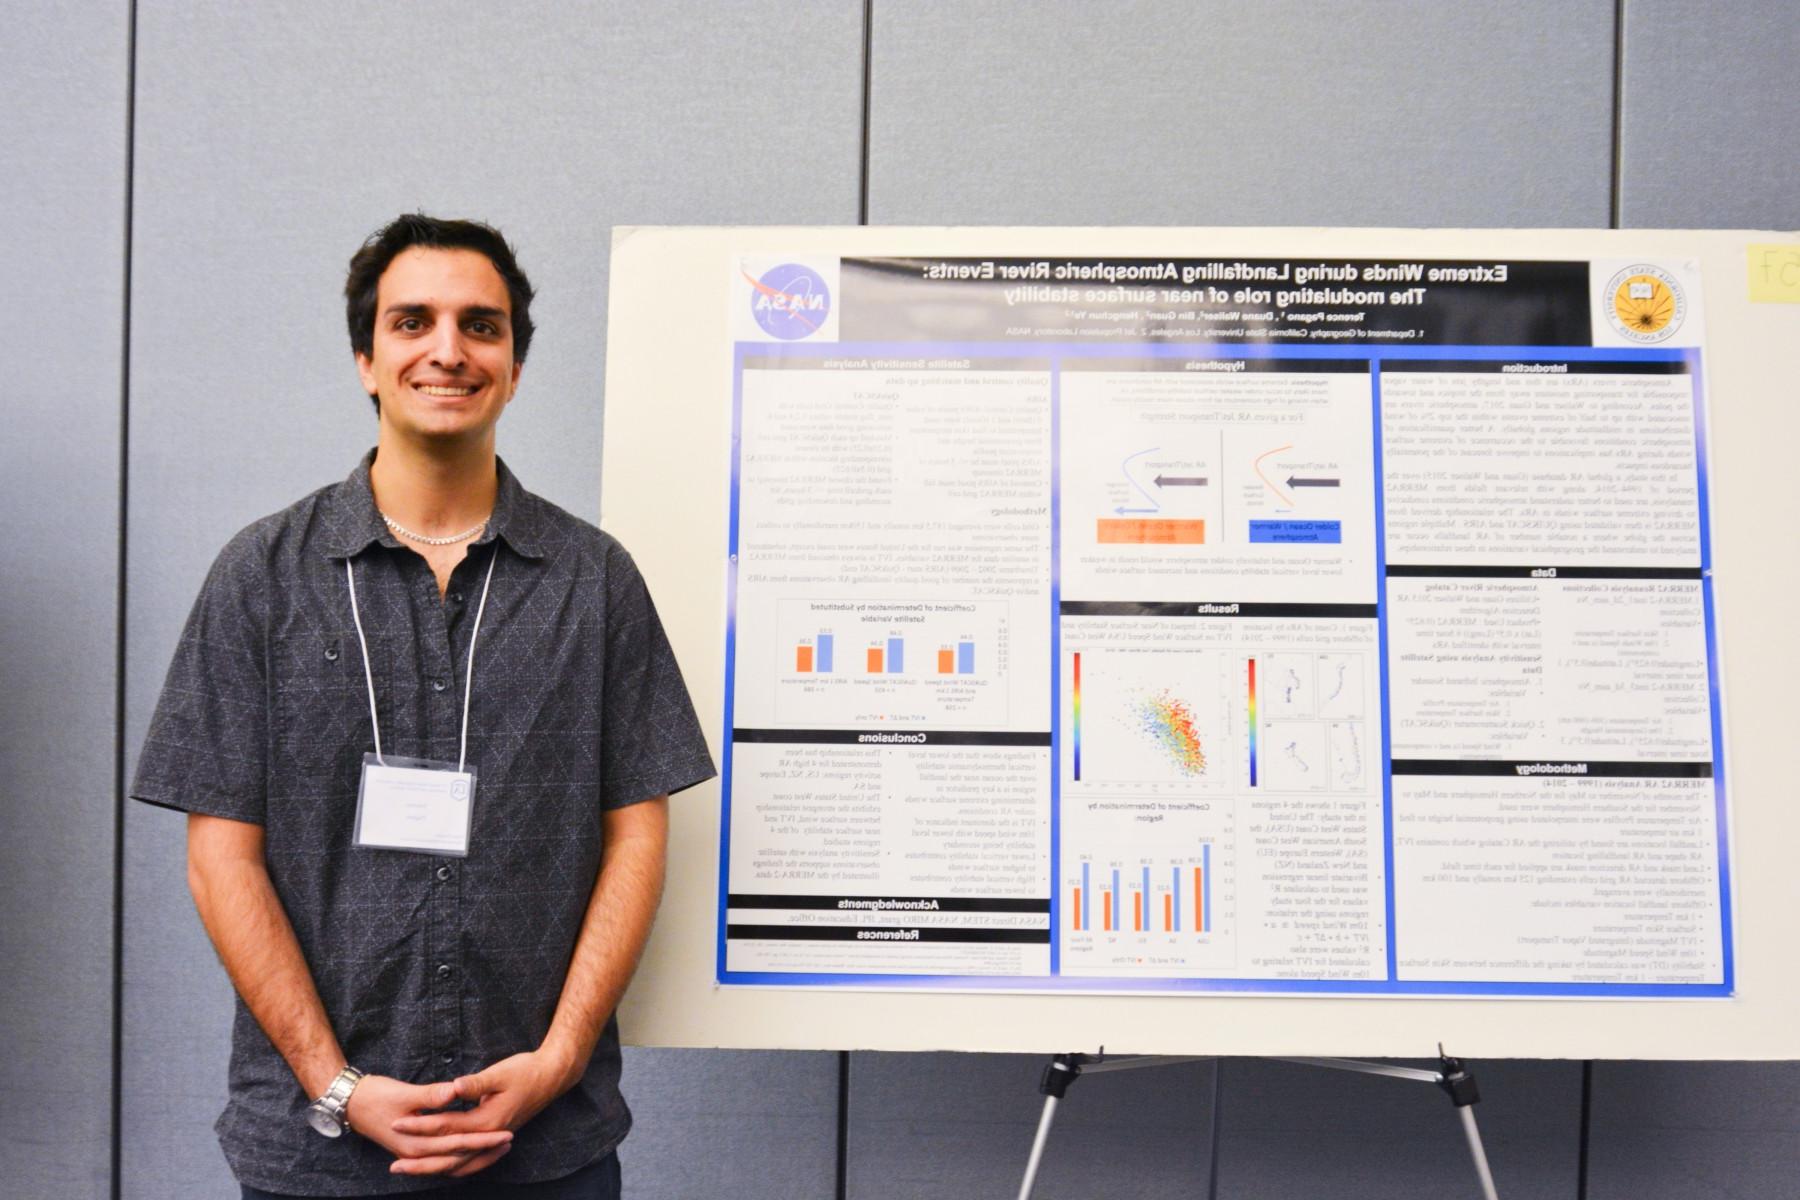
(1075, 696)
(1252, 709)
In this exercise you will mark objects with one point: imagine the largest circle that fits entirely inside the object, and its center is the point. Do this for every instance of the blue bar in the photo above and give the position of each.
(1118, 902)
(965, 658)
(1310, 533)
(1206, 882)
(896, 649)
(1086, 915)
(1175, 896)
(1146, 901)
(823, 662)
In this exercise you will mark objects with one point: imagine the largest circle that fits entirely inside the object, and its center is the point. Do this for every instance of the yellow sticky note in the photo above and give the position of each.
(1774, 272)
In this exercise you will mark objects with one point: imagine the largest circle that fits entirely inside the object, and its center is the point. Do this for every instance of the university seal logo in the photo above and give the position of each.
(1644, 303)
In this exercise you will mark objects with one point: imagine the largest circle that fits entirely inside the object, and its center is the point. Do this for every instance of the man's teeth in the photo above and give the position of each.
(446, 391)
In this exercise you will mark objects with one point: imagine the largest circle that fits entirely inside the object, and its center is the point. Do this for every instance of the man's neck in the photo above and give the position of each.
(434, 490)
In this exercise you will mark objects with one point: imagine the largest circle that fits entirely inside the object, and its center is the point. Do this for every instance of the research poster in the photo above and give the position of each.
(1315, 626)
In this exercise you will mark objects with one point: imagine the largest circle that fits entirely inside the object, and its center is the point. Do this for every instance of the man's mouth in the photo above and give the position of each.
(433, 389)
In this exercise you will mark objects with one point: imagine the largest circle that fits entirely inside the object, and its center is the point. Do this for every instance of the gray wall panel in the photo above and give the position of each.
(1215, 113)
(63, 88)
(748, 1124)
(951, 1126)
(1711, 115)
(271, 140)
(1664, 1130)
(1294, 1130)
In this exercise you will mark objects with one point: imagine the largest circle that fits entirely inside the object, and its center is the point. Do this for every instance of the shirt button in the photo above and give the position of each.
(438, 684)
(443, 873)
(444, 971)
(456, 597)
(448, 1059)
(331, 653)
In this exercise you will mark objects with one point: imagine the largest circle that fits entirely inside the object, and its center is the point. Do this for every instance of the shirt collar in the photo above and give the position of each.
(352, 522)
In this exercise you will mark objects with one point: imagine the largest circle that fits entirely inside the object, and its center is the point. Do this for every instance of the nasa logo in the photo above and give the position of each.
(789, 301)
(1644, 303)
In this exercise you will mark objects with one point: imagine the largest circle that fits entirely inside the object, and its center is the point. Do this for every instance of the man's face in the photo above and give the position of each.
(442, 362)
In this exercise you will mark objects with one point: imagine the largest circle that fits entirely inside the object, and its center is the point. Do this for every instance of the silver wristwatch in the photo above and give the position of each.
(327, 1113)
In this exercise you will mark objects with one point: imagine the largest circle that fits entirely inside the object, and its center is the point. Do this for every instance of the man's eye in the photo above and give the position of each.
(409, 325)
(484, 328)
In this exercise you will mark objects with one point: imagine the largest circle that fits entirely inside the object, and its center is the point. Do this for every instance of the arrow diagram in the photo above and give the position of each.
(1267, 482)
(1294, 482)
(1125, 470)
(1180, 481)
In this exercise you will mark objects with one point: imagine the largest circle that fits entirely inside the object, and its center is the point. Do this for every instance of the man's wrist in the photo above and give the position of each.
(330, 1113)
(567, 1062)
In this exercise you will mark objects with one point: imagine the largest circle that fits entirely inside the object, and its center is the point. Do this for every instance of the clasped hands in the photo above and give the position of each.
(410, 1120)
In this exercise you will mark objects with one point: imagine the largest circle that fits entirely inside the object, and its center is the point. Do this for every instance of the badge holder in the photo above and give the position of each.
(415, 804)
(419, 805)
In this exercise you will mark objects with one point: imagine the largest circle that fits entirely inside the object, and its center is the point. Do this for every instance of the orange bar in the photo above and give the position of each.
(1137, 912)
(1199, 902)
(803, 659)
(1106, 923)
(946, 662)
(1168, 914)
(1078, 908)
(874, 660)
(1138, 531)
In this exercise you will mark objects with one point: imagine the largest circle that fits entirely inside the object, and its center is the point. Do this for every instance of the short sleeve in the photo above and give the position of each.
(651, 741)
(207, 748)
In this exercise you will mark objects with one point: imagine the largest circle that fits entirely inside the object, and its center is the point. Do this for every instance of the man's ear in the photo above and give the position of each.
(365, 370)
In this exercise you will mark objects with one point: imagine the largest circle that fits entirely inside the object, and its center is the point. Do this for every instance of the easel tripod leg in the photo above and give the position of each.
(1037, 1147)
(1476, 1152)
(1063, 1070)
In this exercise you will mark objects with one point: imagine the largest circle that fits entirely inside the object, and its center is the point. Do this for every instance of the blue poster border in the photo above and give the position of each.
(1392, 985)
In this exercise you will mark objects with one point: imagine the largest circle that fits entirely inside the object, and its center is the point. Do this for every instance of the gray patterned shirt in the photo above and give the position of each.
(429, 967)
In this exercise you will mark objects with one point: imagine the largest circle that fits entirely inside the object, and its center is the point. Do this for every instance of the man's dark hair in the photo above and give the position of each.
(417, 229)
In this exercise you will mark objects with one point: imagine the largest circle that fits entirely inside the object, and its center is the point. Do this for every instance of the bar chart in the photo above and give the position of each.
(1130, 899)
(1166, 913)
(924, 663)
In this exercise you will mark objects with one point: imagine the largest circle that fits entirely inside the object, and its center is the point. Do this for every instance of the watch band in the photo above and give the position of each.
(329, 1113)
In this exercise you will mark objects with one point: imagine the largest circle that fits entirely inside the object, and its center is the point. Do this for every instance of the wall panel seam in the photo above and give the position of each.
(1616, 206)
(116, 1140)
(868, 75)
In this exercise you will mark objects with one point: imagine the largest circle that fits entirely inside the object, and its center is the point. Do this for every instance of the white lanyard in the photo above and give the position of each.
(462, 754)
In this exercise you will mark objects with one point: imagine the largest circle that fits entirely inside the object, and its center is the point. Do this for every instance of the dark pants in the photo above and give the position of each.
(598, 1182)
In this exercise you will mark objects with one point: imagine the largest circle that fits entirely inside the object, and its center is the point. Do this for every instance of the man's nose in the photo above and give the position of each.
(447, 345)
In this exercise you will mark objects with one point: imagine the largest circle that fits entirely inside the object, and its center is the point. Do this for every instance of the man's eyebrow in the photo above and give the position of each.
(475, 312)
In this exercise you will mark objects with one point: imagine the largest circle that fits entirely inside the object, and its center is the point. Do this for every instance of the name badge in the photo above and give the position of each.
(415, 804)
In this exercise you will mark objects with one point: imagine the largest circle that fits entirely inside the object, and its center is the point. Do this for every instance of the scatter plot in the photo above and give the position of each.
(1148, 719)
(1168, 722)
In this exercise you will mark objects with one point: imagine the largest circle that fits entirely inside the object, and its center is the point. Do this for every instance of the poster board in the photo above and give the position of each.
(671, 495)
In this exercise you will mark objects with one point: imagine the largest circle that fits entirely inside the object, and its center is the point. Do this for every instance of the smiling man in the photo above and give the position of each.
(424, 725)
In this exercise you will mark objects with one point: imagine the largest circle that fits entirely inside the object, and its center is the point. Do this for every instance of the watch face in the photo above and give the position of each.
(323, 1121)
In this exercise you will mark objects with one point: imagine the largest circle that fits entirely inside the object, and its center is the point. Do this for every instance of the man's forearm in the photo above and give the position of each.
(614, 931)
(255, 941)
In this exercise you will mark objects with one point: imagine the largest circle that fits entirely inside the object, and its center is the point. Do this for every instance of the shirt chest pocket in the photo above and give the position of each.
(321, 706)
